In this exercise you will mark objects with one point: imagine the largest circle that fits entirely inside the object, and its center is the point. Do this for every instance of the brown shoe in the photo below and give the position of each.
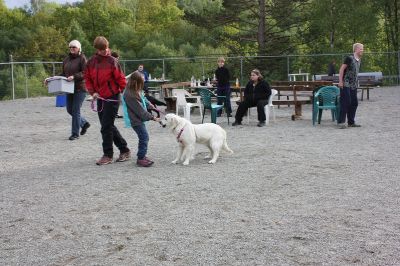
(104, 160)
(124, 156)
(144, 162)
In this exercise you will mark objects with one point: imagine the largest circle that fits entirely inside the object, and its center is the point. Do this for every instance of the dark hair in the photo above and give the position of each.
(135, 84)
(115, 54)
(100, 43)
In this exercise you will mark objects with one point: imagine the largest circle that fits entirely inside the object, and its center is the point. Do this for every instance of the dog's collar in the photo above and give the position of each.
(180, 134)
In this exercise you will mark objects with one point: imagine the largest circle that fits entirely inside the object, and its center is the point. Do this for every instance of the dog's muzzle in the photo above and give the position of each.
(161, 123)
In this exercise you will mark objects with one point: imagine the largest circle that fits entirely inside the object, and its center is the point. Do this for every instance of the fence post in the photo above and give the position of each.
(398, 66)
(241, 70)
(202, 70)
(26, 82)
(288, 66)
(163, 69)
(12, 77)
(54, 69)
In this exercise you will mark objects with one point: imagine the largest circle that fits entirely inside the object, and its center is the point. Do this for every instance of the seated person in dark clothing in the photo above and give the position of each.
(153, 101)
(256, 93)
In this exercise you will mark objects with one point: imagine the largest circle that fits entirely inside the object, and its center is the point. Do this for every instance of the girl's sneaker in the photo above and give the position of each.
(144, 162)
(148, 159)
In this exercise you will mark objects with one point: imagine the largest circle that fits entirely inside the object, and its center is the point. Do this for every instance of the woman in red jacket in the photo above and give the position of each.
(105, 81)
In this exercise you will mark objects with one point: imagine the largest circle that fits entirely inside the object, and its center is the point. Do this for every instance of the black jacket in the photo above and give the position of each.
(261, 91)
(222, 75)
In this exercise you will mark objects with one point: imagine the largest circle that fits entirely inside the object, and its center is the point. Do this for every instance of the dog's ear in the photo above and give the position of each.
(174, 121)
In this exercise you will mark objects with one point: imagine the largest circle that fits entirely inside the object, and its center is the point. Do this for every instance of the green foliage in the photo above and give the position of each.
(207, 28)
(46, 43)
(201, 7)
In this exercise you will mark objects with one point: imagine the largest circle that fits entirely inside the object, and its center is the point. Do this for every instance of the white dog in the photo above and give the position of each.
(188, 134)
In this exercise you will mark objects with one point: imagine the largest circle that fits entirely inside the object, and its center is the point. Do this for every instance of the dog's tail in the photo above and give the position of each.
(225, 144)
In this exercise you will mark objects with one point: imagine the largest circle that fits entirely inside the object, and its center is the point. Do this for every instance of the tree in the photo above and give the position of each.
(51, 48)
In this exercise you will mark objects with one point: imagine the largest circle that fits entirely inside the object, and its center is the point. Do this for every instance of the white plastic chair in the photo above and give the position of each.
(267, 108)
(181, 102)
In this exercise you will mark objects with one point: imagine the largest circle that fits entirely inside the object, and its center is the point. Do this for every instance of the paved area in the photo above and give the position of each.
(291, 194)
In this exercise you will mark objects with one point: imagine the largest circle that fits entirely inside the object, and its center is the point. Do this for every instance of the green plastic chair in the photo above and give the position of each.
(326, 98)
(206, 96)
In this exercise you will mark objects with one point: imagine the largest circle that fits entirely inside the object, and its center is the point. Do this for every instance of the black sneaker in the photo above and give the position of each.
(85, 128)
(236, 123)
(73, 137)
(261, 124)
(354, 125)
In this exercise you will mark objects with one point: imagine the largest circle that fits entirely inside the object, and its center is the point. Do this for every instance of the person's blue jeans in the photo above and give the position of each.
(225, 91)
(143, 137)
(348, 105)
(74, 104)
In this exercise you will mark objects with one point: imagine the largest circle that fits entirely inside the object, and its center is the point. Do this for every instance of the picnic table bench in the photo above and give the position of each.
(292, 90)
(366, 83)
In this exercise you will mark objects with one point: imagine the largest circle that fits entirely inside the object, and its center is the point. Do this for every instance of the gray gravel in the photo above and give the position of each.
(291, 194)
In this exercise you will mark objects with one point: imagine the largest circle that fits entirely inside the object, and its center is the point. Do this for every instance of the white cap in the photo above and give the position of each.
(76, 44)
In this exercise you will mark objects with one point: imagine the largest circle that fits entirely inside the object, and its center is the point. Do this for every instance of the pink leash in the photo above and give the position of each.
(102, 105)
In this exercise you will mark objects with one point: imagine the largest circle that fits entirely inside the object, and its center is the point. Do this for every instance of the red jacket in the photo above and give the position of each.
(104, 75)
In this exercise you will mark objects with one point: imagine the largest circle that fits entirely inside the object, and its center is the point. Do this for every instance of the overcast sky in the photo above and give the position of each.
(21, 3)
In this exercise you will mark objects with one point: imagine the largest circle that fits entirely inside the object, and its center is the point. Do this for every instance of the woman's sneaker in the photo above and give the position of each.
(104, 160)
(148, 159)
(124, 156)
(85, 128)
(144, 162)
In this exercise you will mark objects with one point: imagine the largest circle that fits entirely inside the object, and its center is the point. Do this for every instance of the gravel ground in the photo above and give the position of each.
(291, 194)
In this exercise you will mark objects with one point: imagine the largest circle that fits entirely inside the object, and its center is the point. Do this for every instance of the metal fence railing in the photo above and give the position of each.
(25, 79)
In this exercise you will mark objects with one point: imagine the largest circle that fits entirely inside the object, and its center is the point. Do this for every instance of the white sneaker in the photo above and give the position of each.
(342, 126)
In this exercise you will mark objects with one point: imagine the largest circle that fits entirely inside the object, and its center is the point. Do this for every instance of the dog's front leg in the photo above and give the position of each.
(187, 154)
(178, 154)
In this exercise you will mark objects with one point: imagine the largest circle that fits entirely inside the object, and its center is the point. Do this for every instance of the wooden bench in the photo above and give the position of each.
(365, 88)
(297, 89)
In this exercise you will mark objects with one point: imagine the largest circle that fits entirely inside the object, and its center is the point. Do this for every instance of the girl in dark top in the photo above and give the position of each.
(136, 109)
(223, 87)
(256, 93)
